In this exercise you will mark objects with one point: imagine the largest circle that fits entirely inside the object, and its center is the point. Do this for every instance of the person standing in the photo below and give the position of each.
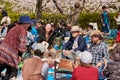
(105, 20)
(14, 42)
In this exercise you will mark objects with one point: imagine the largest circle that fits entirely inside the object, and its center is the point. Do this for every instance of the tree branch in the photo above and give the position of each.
(98, 6)
(58, 7)
(83, 6)
(45, 3)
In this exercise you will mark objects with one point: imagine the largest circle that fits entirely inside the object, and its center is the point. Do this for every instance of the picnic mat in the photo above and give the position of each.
(60, 76)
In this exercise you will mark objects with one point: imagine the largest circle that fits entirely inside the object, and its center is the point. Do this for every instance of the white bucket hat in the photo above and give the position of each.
(85, 57)
(39, 46)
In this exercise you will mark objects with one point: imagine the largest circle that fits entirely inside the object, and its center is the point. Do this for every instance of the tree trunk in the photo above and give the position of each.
(38, 9)
(74, 14)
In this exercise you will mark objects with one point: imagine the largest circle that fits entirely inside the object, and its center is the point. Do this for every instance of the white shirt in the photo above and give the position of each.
(118, 20)
(75, 44)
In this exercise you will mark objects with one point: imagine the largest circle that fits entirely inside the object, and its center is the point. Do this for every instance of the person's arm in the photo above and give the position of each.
(117, 19)
(107, 71)
(81, 45)
(101, 16)
(109, 18)
(68, 45)
(105, 57)
(105, 52)
(44, 72)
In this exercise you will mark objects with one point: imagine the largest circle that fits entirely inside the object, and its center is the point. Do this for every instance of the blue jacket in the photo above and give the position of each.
(82, 46)
(34, 32)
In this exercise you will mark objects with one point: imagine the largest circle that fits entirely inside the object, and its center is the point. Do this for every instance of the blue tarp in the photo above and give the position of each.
(59, 75)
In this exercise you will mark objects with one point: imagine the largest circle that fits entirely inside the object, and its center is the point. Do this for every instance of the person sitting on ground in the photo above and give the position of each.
(86, 71)
(89, 30)
(34, 68)
(48, 37)
(28, 54)
(99, 51)
(30, 37)
(35, 30)
(112, 71)
(75, 43)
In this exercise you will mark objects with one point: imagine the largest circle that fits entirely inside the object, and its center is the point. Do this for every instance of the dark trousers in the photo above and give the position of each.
(11, 71)
(106, 28)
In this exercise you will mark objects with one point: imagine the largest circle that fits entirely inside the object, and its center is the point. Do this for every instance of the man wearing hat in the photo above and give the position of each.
(14, 42)
(99, 51)
(75, 43)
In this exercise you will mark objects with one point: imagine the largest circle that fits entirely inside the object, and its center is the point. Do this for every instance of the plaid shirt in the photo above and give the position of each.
(99, 51)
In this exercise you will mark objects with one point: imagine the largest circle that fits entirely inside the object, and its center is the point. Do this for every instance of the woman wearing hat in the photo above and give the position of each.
(75, 43)
(14, 42)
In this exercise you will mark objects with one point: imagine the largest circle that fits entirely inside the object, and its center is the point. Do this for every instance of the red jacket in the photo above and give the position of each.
(85, 73)
(118, 37)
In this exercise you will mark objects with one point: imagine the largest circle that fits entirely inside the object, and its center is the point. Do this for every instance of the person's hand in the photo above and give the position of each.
(50, 62)
(19, 59)
(75, 64)
(103, 25)
(66, 52)
(99, 64)
(78, 58)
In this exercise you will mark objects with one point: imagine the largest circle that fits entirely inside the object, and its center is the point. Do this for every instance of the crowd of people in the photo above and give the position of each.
(38, 44)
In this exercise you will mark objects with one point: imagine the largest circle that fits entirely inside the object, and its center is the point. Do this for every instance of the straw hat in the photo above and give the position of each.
(95, 32)
(75, 28)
